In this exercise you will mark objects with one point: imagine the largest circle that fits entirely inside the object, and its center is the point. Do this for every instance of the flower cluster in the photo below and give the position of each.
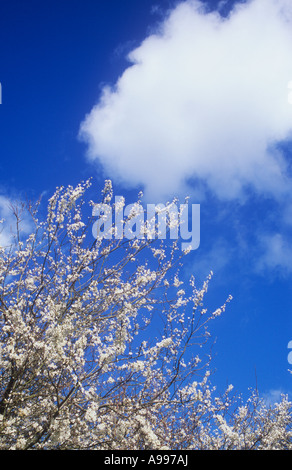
(82, 365)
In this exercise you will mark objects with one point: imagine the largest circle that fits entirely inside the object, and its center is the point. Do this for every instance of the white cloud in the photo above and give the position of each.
(205, 97)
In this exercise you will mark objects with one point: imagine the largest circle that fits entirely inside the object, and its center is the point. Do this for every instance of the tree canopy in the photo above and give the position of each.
(104, 346)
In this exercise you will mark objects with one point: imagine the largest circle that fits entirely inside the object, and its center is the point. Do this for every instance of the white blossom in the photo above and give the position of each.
(82, 366)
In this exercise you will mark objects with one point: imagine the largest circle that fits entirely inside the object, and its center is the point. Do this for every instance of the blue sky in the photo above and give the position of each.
(175, 98)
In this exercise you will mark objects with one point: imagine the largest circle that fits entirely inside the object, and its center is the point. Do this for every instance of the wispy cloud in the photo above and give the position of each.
(273, 396)
(276, 254)
(9, 207)
(205, 99)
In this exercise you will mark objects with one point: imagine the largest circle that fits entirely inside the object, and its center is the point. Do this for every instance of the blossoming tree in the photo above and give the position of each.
(99, 343)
